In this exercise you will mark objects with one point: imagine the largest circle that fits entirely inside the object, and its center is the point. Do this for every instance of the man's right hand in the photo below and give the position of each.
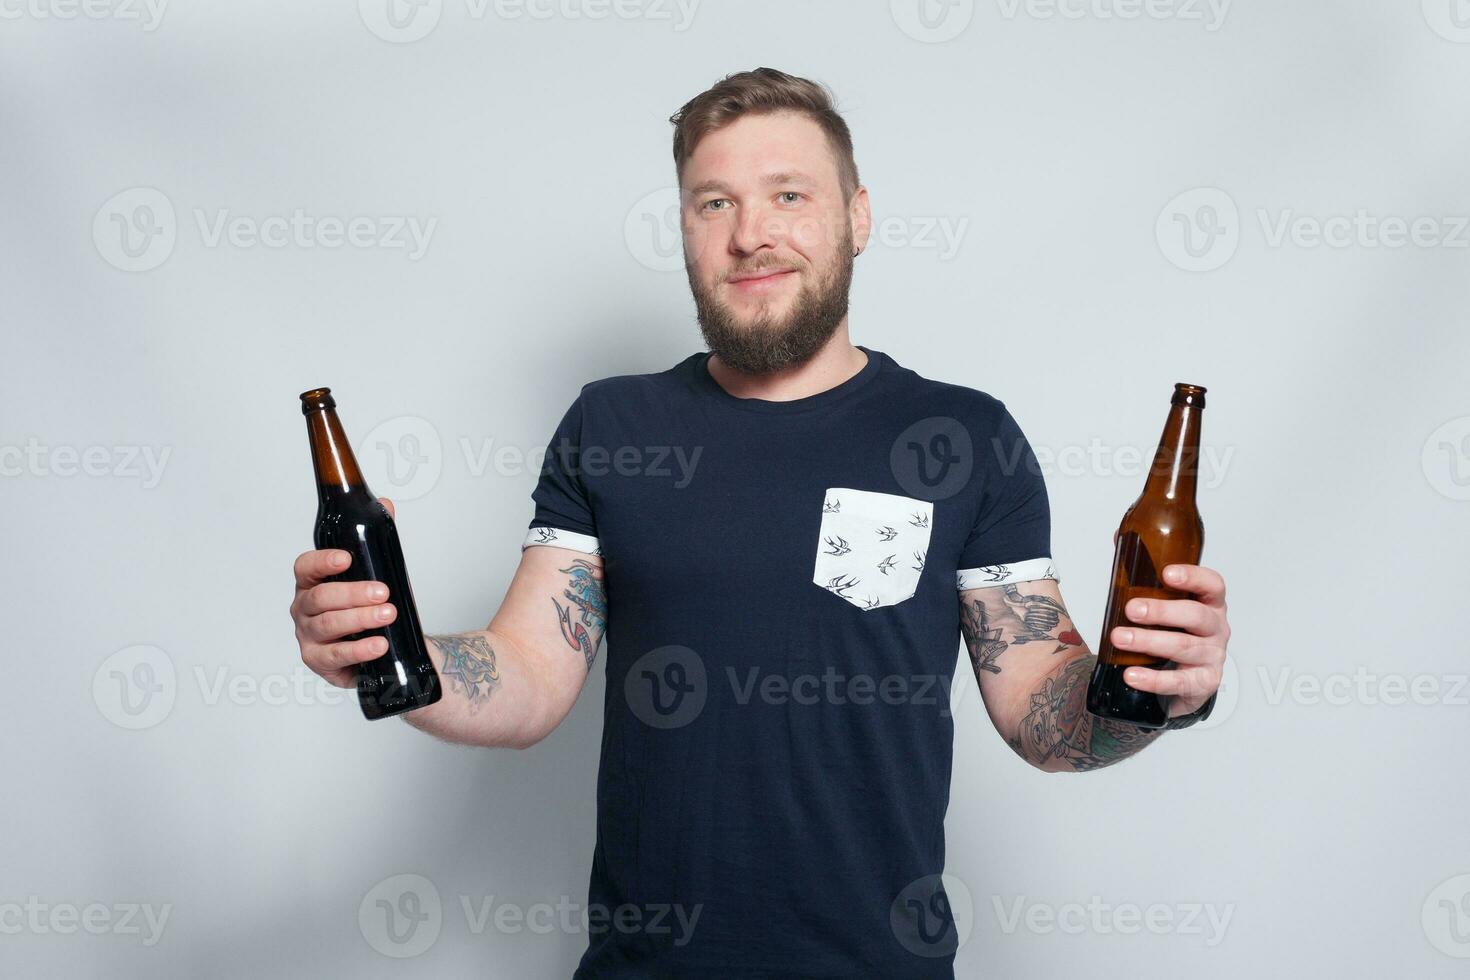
(327, 612)
(555, 609)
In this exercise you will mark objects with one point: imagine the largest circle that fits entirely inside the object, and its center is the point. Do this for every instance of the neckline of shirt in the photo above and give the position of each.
(821, 399)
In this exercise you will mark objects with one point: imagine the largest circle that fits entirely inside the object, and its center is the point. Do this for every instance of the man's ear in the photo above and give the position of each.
(860, 215)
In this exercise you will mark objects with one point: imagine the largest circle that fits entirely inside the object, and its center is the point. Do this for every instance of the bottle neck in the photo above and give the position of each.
(1174, 473)
(337, 473)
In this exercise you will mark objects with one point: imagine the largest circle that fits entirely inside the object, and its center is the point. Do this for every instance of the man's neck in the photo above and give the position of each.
(837, 361)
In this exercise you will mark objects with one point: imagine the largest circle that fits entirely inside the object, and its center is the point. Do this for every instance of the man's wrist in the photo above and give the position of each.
(1193, 718)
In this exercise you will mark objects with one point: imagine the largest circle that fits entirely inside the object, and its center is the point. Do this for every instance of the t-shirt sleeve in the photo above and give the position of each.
(564, 517)
(1011, 538)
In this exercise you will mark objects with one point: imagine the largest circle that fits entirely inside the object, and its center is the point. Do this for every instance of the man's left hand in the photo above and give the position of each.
(1198, 652)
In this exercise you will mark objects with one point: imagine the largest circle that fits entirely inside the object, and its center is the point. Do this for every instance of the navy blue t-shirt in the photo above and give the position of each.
(783, 627)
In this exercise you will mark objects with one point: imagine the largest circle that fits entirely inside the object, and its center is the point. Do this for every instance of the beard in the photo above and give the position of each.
(769, 343)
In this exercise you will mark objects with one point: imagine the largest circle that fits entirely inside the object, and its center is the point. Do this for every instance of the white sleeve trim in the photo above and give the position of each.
(560, 538)
(1018, 571)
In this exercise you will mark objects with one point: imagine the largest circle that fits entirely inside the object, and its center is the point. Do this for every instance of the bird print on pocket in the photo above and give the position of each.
(871, 546)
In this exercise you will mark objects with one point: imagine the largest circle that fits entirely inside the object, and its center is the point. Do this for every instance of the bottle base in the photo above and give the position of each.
(1109, 696)
(386, 700)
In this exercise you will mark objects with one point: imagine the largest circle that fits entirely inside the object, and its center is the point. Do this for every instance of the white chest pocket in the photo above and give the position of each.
(872, 546)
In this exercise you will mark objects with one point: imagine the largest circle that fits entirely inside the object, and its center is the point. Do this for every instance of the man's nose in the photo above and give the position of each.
(756, 228)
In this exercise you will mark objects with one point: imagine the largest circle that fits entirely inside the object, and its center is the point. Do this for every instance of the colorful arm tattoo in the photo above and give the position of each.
(587, 599)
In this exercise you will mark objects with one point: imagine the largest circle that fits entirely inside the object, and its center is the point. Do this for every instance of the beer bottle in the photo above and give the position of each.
(349, 517)
(1162, 527)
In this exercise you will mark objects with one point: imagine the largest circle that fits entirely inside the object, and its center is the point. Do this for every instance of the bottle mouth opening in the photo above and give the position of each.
(1188, 394)
(316, 399)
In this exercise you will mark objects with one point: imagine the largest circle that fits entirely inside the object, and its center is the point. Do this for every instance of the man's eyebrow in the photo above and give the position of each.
(783, 177)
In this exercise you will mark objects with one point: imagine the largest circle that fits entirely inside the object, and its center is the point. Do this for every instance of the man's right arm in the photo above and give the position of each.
(507, 685)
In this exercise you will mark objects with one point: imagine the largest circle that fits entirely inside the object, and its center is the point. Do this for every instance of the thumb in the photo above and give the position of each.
(388, 504)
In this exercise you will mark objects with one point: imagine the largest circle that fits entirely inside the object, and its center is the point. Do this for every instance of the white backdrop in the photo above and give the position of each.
(456, 213)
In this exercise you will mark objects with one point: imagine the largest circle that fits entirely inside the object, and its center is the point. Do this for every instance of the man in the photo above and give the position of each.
(782, 590)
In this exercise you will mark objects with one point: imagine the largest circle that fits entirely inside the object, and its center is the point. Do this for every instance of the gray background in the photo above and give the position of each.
(1329, 827)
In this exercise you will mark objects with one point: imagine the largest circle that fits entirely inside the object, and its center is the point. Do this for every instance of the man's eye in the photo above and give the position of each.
(710, 205)
(794, 195)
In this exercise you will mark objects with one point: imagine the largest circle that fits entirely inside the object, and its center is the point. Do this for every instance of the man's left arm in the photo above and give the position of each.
(1033, 666)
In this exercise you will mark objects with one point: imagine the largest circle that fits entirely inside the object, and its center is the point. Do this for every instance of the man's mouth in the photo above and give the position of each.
(762, 280)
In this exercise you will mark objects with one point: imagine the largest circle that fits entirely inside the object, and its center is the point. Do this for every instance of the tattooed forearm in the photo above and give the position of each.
(587, 600)
(1006, 618)
(1039, 618)
(1059, 731)
(469, 666)
(982, 639)
(1014, 637)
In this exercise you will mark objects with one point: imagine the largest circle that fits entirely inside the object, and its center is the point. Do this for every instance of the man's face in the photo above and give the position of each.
(768, 240)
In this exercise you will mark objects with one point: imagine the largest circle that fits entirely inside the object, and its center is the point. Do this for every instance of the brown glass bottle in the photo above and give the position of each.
(1163, 527)
(349, 517)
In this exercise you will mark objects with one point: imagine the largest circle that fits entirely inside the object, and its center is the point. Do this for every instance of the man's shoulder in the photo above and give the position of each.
(970, 405)
(621, 384)
(620, 387)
